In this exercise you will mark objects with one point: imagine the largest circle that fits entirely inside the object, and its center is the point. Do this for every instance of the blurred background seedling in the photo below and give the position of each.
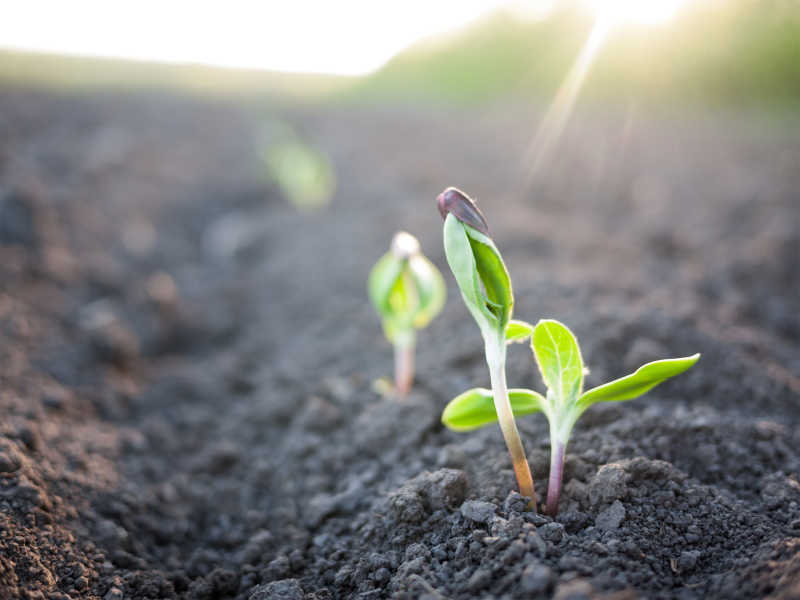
(407, 291)
(303, 172)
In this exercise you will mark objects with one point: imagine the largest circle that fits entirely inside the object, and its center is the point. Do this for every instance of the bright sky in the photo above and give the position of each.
(327, 36)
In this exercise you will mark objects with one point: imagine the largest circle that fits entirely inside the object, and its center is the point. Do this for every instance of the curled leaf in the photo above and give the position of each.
(480, 273)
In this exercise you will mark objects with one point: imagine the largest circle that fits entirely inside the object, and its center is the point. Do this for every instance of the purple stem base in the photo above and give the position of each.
(557, 452)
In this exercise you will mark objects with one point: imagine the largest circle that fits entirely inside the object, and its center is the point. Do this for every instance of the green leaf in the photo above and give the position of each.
(475, 408)
(480, 273)
(518, 331)
(305, 174)
(643, 380)
(431, 290)
(462, 264)
(406, 289)
(498, 297)
(382, 279)
(559, 358)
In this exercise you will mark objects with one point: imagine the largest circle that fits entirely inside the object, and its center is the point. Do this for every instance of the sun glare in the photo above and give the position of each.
(349, 37)
(608, 14)
(557, 115)
(645, 12)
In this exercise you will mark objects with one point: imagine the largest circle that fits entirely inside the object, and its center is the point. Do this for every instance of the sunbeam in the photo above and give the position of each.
(556, 117)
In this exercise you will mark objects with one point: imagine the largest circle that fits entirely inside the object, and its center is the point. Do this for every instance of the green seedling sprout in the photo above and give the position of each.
(408, 291)
(558, 357)
(485, 287)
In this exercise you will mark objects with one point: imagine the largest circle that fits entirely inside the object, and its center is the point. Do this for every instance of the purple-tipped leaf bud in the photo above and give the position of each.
(463, 208)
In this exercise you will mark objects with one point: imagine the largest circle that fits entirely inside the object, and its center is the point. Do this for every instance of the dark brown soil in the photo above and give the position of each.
(186, 361)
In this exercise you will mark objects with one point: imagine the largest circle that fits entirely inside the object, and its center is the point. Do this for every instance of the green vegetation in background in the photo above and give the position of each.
(80, 73)
(739, 52)
(495, 57)
(304, 173)
(716, 51)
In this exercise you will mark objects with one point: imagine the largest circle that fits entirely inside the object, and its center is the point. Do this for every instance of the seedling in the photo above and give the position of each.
(408, 291)
(485, 287)
(558, 356)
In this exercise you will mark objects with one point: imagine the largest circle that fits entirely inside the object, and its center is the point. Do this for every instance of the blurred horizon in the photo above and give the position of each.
(351, 37)
(734, 52)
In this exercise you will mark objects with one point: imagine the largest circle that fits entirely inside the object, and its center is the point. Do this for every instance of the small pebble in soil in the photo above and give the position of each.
(441, 489)
(479, 579)
(285, 589)
(536, 578)
(478, 510)
(113, 594)
(688, 560)
(610, 518)
(278, 567)
(514, 502)
(444, 488)
(608, 484)
(552, 532)
(577, 589)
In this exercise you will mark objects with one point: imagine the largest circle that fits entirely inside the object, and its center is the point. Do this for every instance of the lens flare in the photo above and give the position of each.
(555, 119)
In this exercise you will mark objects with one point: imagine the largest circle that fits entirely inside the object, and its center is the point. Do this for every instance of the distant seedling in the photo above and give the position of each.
(408, 291)
(485, 287)
(558, 356)
(303, 172)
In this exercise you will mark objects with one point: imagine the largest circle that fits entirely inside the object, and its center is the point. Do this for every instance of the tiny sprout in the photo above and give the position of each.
(408, 291)
(485, 287)
(558, 357)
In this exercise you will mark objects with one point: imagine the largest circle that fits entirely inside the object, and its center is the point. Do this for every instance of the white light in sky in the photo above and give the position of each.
(649, 12)
(342, 36)
(346, 37)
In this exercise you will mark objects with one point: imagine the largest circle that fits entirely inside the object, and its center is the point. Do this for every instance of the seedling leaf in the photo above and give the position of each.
(462, 264)
(641, 381)
(408, 291)
(498, 297)
(430, 288)
(518, 331)
(559, 358)
(475, 408)
(382, 279)
(486, 289)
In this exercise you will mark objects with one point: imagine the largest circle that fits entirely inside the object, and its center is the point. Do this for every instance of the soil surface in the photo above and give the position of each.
(187, 361)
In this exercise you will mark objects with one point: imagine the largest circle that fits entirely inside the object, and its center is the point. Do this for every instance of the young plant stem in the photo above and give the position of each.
(557, 452)
(496, 359)
(403, 364)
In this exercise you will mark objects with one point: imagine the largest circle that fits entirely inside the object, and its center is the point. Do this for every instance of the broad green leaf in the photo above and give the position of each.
(382, 280)
(518, 331)
(559, 358)
(475, 408)
(643, 380)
